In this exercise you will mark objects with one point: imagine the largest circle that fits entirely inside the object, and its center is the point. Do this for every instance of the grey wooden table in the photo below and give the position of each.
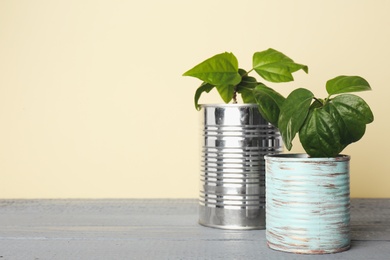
(158, 229)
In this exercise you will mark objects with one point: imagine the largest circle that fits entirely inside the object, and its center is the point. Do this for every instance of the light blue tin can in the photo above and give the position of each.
(307, 203)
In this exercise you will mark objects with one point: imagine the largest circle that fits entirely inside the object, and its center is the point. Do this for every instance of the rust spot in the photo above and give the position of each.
(330, 186)
(326, 163)
(300, 239)
(280, 202)
(278, 237)
(288, 181)
(335, 174)
(300, 249)
(285, 168)
(317, 252)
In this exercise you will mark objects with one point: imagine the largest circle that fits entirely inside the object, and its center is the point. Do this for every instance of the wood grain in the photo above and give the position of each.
(158, 229)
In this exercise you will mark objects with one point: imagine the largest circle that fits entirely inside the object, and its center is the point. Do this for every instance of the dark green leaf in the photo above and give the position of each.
(205, 87)
(247, 95)
(269, 102)
(219, 70)
(248, 82)
(293, 113)
(226, 92)
(274, 66)
(351, 114)
(354, 105)
(318, 102)
(245, 88)
(242, 72)
(319, 134)
(345, 84)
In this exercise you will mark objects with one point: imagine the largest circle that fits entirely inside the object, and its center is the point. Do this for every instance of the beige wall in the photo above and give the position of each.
(93, 105)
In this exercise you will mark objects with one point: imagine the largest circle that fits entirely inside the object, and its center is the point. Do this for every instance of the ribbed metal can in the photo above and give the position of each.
(307, 203)
(234, 140)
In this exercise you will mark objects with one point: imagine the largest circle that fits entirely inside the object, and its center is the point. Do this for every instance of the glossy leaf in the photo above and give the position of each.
(274, 66)
(219, 70)
(345, 84)
(248, 82)
(293, 113)
(205, 87)
(226, 92)
(319, 134)
(245, 88)
(295, 67)
(269, 103)
(247, 96)
(351, 114)
(242, 72)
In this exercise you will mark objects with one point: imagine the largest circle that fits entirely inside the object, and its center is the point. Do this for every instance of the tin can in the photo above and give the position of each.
(234, 140)
(307, 203)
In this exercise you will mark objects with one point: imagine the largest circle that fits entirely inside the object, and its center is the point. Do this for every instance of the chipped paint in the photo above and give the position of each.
(307, 203)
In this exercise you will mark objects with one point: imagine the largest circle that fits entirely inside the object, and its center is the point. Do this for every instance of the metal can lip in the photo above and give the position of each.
(302, 157)
(229, 105)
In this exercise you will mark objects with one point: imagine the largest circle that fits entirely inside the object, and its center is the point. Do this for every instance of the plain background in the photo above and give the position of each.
(93, 104)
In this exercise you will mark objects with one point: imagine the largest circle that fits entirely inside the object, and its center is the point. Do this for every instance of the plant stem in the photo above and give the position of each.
(326, 100)
(235, 95)
(247, 73)
(319, 101)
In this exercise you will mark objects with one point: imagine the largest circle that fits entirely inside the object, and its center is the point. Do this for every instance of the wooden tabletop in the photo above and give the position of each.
(159, 229)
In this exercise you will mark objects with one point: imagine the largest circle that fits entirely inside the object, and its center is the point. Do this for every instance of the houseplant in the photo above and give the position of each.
(307, 195)
(235, 138)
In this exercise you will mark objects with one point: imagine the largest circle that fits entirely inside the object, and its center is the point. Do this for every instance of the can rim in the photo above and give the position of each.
(302, 157)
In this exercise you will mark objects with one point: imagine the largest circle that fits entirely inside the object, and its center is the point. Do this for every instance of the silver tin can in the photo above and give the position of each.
(308, 203)
(234, 140)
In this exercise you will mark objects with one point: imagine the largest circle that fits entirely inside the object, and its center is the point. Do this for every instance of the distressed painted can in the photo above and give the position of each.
(234, 140)
(307, 203)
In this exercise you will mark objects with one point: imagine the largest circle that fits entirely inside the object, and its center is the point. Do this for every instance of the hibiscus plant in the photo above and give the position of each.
(325, 126)
(223, 73)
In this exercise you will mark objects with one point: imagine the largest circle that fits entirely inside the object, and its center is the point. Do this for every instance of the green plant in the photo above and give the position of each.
(223, 73)
(325, 126)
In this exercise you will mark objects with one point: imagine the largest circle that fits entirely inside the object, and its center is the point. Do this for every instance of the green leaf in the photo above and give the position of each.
(319, 134)
(293, 113)
(242, 72)
(274, 66)
(245, 88)
(248, 82)
(351, 114)
(226, 92)
(269, 103)
(205, 87)
(345, 84)
(219, 70)
(247, 96)
(295, 67)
